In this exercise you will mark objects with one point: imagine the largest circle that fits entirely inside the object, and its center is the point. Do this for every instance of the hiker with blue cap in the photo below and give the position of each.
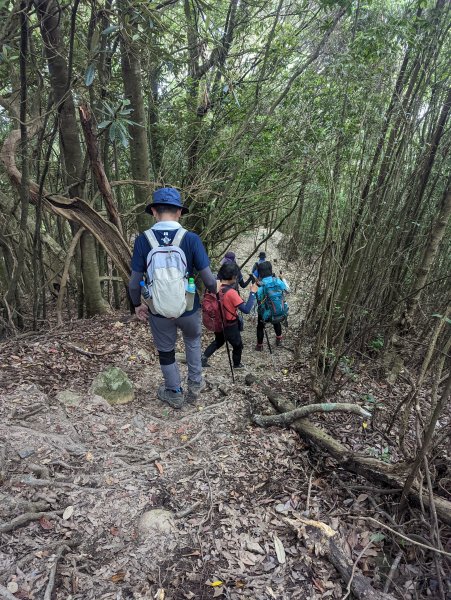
(169, 256)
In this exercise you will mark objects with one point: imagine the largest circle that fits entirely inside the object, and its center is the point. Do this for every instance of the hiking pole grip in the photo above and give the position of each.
(225, 338)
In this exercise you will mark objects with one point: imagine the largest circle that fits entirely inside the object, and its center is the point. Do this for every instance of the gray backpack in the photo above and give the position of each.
(166, 273)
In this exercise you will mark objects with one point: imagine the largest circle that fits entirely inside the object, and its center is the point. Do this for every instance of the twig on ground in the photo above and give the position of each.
(354, 566)
(87, 352)
(188, 443)
(187, 511)
(404, 537)
(29, 480)
(309, 491)
(392, 572)
(26, 518)
(51, 582)
(3, 463)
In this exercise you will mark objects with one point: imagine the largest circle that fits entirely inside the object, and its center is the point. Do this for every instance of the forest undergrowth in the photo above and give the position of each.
(77, 475)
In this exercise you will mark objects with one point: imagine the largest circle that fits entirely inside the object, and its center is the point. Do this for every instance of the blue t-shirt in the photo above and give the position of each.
(196, 255)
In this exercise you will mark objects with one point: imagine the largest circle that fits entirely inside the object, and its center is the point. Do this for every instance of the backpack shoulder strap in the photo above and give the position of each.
(151, 238)
(178, 238)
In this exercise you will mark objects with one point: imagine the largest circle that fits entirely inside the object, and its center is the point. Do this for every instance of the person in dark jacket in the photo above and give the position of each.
(230, 258)
(265, 275)
(167, 208)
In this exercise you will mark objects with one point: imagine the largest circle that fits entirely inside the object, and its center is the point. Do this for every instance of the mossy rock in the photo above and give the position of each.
(113, 385)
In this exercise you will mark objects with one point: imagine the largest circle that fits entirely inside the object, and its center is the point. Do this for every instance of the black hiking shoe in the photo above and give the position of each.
(204, 361)
(240, 366)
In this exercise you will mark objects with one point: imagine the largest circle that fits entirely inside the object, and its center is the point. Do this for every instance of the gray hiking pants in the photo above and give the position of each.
(164, 332)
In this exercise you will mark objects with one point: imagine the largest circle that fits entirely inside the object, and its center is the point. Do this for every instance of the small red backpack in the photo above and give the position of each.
(211, 310)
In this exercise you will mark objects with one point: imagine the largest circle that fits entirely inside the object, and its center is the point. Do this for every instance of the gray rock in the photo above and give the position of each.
(143, 354)
(26, 452)
(69, 398)
(113, 385)
(157, 521)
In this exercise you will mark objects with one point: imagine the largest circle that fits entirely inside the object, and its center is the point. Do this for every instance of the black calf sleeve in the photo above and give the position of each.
(166, 358)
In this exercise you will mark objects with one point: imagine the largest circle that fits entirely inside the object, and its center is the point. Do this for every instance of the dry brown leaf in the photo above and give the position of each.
(118, 577)
(159, 467)
(45, 523)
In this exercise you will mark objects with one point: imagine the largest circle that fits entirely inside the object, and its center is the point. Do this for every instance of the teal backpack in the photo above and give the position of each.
(272, 307)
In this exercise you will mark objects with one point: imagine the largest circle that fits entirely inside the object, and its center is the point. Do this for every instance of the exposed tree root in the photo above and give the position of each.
(26, 518)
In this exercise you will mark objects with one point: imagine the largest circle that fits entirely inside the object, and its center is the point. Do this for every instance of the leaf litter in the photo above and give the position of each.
(94, 470)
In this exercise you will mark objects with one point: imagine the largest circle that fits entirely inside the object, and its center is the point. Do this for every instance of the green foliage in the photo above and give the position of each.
(117, 121)
(377, 343)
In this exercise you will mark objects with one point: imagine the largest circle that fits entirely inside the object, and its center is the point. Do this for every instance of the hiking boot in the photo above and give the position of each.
(195, 390)
(174, 398)
(204, 361)
(259, 347)
(240, 366)
(278, 340)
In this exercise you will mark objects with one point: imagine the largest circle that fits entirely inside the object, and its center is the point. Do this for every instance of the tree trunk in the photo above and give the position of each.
(430, 252)
(139, 149)
(49, 15)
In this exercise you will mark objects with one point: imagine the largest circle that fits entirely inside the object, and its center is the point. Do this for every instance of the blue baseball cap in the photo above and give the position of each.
(169, 196)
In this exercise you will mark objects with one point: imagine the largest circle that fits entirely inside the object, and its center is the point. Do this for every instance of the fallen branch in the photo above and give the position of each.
(87, 352)
(376, 471)
(185, 445)
(405, 537)
(392, 572)
(27, 518)
(62, 442)
(65, 275)
(287, 418)
(51, 581)
(323, 537)
(3, 463)
(187, 511)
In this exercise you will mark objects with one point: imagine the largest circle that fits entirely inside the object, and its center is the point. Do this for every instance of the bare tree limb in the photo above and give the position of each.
(304, 411)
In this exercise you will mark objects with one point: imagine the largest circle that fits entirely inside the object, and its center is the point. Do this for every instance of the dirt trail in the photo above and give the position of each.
(95, 469)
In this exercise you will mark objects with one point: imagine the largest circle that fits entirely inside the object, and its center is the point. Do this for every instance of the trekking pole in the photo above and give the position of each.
(269, 347)
(267, 339)
(225, 339)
